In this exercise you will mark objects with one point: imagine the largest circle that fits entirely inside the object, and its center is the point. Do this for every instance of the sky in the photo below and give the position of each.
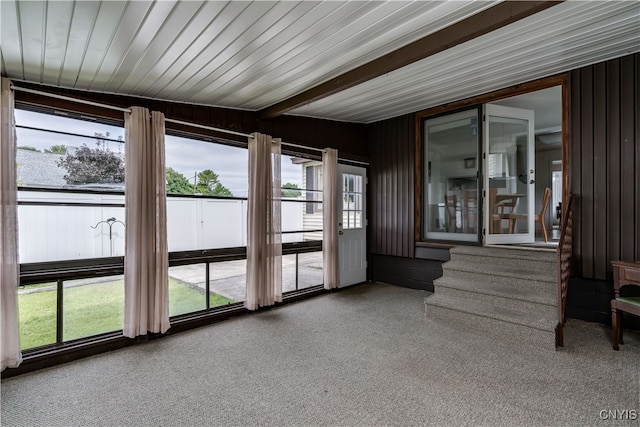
(186, 156)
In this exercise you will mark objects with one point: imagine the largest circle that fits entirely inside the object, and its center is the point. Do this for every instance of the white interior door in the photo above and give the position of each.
(352, 236)
(509, 175)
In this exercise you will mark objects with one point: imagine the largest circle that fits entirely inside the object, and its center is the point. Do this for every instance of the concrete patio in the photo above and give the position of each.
(228, 278)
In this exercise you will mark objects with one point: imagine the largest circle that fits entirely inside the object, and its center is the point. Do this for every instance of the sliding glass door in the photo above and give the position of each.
(451, 192)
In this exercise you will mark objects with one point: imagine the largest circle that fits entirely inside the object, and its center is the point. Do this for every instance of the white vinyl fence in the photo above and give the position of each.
(53, 233)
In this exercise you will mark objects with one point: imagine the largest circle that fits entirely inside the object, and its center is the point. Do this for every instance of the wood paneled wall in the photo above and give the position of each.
(391, 184)
(605, 165)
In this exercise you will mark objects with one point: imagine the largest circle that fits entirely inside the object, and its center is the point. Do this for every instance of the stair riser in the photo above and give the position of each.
(526, 270)
(504, 286)
(544, 310)
(500, 330)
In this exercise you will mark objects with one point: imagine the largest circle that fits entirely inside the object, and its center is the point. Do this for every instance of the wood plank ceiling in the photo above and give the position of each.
(252, 55)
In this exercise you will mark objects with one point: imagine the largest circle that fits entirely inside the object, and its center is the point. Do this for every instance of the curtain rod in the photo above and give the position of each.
(68, 98)
(126, 110)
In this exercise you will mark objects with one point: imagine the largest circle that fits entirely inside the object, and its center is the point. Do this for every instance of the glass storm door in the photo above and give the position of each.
(352, 235)
(509, 175)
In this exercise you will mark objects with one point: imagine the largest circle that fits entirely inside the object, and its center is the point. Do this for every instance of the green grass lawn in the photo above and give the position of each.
(93, 309)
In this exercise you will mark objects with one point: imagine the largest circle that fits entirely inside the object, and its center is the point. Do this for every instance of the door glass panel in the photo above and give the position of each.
(451, 177)
(351, 201)
(508, 176)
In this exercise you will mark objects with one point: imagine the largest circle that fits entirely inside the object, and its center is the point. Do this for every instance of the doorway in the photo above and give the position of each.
(352, 214)
(509, 178)
(463, 168)
(548, 115)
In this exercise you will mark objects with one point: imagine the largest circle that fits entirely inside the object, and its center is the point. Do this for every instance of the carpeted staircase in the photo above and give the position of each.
(508, 293)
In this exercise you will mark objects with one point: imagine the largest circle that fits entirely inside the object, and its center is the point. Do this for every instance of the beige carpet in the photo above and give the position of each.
(365, 356)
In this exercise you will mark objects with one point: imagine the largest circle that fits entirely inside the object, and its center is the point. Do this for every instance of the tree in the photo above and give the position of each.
(210, 185)
(56, 149)
(93, 165)
(177, 183)
(291, 190)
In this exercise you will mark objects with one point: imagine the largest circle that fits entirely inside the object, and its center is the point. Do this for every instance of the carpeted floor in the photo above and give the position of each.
(365, 356)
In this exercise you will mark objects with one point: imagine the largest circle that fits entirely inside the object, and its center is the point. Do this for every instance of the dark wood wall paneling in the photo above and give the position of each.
(348, 138)
(605, 176)
(605, 157)
(406, 272)
(391, 219)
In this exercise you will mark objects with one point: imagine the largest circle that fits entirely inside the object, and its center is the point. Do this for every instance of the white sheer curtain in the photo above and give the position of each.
(330, 217)
(146, 254)
(264, 234)
(9, 266)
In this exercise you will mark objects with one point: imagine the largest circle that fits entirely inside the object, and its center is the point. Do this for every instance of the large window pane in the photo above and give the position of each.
(199, 174)
(92, 306)
(187, 289)
(508, 175)
(72, 226)
(310, 271)
(205, 168)
(451, 177)
(37, 314)
(62, 152)
(300, 271)
(229, 280)
(70, 206)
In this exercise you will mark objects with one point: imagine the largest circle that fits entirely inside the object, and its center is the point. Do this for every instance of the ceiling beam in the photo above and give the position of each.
(474, 26)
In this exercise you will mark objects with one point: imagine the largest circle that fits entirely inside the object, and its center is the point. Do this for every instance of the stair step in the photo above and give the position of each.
(501, 253)
(516, 268)
(501, 291)
(507, 287)
(534, 308)
(542, 319)
(502, 331)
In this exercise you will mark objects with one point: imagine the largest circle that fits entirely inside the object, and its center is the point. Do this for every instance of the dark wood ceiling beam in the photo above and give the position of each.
(474, 26)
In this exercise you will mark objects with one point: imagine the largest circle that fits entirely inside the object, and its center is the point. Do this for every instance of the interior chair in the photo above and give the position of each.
(624, 274)
(539, 217)
(501, 206)
(470, 206)
(451, 203)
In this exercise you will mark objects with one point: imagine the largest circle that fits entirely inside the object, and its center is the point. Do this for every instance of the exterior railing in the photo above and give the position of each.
(564, 252)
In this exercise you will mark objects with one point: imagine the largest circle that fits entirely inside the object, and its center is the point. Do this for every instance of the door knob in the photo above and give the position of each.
(533, 181)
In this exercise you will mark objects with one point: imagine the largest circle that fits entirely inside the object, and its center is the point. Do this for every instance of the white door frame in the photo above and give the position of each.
(352, 227)
(515, 113)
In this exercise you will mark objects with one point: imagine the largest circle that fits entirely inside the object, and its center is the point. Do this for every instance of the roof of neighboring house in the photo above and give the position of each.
(37, 169)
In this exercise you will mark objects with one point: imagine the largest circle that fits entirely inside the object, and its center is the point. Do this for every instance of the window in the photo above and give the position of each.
(71, 211)
(71, 219)
(207, 185)
(70, 183)
(313, 181)
(351, 201)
